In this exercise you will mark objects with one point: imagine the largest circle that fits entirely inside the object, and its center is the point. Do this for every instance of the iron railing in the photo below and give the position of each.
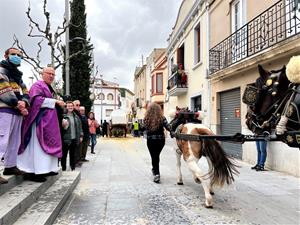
(176, 82)
(279, 22)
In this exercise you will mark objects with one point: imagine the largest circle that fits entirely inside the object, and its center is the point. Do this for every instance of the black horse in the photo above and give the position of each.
(274, 105)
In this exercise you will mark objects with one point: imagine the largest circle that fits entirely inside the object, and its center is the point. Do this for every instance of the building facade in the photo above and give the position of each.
(140, 92)
(187, 52)
(107, 99)
(252, 32)
(156, 64)
(127, 101)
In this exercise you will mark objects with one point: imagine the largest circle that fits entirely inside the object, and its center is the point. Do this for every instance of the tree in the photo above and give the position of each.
(81, 65)
(53, 41)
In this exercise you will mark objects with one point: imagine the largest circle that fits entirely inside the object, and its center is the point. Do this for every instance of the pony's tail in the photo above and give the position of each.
(223, 169)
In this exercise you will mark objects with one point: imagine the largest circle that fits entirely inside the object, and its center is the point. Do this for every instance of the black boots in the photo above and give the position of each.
(13, 171)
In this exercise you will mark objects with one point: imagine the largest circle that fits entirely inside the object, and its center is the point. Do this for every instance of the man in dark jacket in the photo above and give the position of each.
(104, 128)
(72, 136)
(78, 162)
(86, 134)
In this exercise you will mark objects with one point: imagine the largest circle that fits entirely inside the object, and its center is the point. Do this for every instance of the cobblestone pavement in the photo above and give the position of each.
(116, 188)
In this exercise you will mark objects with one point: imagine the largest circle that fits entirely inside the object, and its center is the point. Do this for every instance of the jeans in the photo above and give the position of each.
(261, 147)
(93, 142)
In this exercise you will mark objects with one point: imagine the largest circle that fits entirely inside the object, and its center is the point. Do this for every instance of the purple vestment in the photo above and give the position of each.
(47, 124)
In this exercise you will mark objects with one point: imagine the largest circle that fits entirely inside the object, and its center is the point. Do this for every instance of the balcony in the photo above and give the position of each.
(278, 23)
(177, 85)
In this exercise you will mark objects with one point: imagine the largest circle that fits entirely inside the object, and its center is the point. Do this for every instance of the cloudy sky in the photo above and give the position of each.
(121, 31)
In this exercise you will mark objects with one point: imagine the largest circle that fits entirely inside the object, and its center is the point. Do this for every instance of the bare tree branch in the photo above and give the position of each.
(32, 21)
(54, 41)
(39, 51)
(35, 64)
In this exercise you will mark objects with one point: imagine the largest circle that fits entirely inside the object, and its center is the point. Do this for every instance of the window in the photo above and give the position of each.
(197, 43)
(239, 34)
(153, 84)
(100, 96)
(196, 103)
(108, 112)
(159, 83)
(236, 16)
(110, 97)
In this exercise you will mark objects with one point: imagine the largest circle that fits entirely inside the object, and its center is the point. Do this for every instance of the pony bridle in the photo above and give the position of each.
(271, 84)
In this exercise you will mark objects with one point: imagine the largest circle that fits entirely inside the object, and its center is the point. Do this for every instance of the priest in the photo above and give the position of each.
(41, 144)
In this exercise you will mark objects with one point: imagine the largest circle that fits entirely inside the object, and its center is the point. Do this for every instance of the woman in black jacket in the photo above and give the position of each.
(154, 124)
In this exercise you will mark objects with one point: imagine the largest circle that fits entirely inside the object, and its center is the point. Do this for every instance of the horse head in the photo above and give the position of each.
(271, 88)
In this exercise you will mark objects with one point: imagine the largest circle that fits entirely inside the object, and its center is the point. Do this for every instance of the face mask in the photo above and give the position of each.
(15, 59)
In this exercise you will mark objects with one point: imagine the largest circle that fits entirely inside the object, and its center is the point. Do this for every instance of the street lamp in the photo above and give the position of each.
(67, 48)
(101, 94)
(67, 18)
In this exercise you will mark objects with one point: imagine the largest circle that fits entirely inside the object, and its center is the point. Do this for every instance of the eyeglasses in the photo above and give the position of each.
(77, 105)
(21, 56)
(53, 74)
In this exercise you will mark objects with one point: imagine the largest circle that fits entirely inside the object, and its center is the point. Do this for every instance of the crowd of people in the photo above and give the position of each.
(37, 128)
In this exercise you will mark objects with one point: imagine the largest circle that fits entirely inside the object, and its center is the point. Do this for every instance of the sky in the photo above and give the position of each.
(121, 31)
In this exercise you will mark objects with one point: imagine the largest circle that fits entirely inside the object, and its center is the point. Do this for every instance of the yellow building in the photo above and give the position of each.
(159, 76)
(140, 91)
(243, 34)
(187, 48)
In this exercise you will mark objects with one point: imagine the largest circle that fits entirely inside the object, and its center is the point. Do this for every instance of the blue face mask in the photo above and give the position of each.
(15, 59)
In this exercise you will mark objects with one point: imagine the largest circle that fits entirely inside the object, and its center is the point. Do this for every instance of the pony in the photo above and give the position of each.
(274, 105)
(221, 168)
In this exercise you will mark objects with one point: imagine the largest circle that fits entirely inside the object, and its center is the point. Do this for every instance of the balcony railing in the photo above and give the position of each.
(177, 84)
(278, 23)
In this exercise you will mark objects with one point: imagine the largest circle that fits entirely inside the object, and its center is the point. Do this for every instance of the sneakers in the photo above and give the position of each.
(93, 152)
(260, 168)
(3, 181)
(13, 171)
(254, 167)
(156, 179)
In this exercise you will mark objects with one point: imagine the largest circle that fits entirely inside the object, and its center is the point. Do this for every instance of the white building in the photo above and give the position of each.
(127, 102)
(107, 99)
(110, 96)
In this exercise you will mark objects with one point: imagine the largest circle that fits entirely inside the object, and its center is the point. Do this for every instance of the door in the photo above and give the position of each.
(230, 119)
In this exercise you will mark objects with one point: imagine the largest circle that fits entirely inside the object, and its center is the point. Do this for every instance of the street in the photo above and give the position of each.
(116, 187)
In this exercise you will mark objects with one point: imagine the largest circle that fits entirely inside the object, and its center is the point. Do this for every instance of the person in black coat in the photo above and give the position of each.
(86, 134)
(154, 125)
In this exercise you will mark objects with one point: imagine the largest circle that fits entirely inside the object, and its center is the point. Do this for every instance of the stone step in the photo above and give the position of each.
(47, 207)
(12, 182)
(17, 199)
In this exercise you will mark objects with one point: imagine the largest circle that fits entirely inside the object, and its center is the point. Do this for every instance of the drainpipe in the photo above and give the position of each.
(207, 69)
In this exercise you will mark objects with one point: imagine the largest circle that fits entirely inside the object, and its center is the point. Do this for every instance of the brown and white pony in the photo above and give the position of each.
(221, 169)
